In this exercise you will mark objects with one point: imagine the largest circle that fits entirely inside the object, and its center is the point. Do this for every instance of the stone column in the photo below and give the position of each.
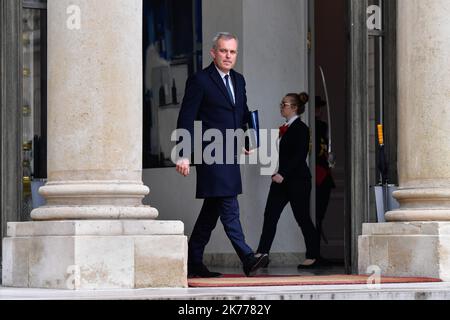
(94, 232)
(94, 112)
(416, 242)
(424, 111)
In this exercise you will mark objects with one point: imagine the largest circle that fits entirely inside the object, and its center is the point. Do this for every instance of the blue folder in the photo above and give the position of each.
(254, 139)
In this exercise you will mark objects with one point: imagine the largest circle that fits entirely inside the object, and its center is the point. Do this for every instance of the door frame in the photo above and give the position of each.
(10, 116)
(357, 193)
(357, 210)
(11, 100)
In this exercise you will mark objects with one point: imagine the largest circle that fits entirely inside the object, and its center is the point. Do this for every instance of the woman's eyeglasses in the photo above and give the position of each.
(286, 105)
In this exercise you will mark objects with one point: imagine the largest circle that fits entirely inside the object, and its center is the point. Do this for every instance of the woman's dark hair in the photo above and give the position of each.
(300, 100)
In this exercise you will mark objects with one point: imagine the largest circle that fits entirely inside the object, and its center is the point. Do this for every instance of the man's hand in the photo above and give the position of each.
(184, 167)
(278, 178)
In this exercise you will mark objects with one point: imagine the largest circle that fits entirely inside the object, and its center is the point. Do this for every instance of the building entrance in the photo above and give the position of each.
(358, 65)
(329, 67)
(354, 44)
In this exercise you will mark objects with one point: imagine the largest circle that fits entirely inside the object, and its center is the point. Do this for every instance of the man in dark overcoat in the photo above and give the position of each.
(216, 97)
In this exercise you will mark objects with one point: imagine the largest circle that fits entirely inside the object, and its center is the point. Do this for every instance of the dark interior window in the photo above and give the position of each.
(172, 51)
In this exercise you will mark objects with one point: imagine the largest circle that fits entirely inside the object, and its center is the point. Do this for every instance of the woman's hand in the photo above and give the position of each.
(278, 178)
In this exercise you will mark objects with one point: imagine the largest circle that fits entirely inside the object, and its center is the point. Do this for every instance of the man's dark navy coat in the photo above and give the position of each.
(207, 100)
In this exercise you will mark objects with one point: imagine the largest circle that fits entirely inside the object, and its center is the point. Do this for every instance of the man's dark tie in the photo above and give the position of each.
(230, 93)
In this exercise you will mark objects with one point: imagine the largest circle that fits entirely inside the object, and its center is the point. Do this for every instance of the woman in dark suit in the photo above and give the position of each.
(292, 182)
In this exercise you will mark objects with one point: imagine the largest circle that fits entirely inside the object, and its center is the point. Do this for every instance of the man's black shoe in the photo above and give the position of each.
(201, 271)
(255, 263)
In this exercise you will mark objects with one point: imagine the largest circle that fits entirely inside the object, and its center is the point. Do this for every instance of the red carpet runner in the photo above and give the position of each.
(268, 281)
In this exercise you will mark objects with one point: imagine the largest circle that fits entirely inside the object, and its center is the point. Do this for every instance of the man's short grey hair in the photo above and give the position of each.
(225, 36)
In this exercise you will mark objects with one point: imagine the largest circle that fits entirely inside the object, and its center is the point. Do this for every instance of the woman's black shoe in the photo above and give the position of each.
(316, 264)
(265, 265)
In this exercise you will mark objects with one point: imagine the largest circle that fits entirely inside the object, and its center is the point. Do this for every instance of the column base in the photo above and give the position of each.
(59, 213)
(421, 204)
(418, 215)
(95, 255)
(406, 249)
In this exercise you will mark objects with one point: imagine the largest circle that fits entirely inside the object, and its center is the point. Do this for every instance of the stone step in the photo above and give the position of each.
(423, 291)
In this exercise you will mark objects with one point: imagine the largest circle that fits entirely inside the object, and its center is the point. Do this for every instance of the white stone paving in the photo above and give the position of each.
(413, 291)
(435, 291)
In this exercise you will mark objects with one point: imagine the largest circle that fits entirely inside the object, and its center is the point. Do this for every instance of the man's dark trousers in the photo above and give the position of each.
(227, 209)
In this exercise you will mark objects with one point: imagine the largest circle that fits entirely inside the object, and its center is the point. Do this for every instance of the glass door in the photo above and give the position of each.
(34, 102)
